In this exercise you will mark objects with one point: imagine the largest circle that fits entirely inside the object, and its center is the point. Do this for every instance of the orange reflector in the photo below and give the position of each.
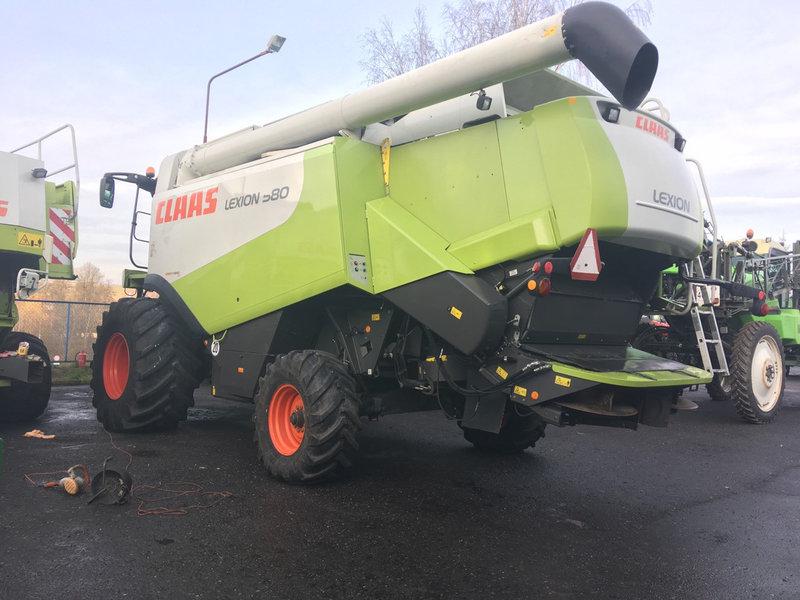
(534, 395)
(531, 284)
(367, 328)
(544, 287)
(240, 370)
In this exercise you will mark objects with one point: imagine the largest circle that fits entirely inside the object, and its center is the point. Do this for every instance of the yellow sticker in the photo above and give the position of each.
(431, 359)
(376, 317)
(30, 240)
(563, 381)
(520, 391)
(550, 31)
(501, 372)
(455, 312)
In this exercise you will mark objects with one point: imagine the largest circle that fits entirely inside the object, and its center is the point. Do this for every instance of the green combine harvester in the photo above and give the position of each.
(479, 235)
(38, 242)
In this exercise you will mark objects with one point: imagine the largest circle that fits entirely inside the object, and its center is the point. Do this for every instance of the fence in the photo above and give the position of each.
(65, 327)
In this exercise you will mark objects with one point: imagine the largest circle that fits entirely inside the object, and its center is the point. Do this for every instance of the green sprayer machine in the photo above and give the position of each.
(38, 242)
(741, 323)
(479, 235)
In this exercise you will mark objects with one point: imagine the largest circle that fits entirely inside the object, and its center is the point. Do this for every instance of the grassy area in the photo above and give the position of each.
(71, 375)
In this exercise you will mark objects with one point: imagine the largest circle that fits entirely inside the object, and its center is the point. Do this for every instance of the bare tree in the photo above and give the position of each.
(389, 55)
(467, 23)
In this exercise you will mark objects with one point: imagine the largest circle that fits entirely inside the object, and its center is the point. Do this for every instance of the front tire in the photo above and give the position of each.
(23, 401)
(145, 368)
(758, 372)
(306, 417)
(516, 433)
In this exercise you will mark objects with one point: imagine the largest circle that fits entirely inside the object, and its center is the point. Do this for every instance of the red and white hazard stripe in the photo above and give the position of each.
(63, 234)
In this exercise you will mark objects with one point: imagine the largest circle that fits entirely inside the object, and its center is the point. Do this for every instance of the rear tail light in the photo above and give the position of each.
(544, 287)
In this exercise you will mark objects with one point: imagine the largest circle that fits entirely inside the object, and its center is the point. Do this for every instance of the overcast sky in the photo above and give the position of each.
(132, 82)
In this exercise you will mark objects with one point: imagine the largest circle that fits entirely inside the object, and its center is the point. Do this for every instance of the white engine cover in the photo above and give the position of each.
(664, 211)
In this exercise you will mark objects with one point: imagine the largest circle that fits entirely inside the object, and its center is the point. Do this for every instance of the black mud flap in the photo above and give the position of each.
(656, 407)
(484, 412)
(20, 368)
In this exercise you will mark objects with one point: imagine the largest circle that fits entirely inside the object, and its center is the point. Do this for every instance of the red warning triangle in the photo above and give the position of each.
(585, 264)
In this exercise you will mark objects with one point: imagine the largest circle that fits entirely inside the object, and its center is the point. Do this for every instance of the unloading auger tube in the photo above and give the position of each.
(598, 34)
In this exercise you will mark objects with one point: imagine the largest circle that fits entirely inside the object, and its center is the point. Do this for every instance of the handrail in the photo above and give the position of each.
(662, 110)
(714, 237)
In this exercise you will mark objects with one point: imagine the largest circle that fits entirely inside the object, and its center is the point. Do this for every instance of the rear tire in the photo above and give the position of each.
(25, 401)
(758, 372)
(145, 368)
(306, 417)
(516, 433)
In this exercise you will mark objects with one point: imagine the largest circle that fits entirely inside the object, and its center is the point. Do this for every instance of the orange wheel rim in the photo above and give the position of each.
(116, 366)
(286, 419)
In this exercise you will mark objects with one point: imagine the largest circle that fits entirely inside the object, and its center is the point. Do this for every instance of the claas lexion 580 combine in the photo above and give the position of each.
(478, 235)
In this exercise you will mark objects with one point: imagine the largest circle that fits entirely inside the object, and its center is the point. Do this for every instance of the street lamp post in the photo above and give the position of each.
(275, 43)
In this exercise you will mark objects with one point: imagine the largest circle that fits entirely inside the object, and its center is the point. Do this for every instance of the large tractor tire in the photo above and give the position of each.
(757, 372)
(145, 368)
(517, 433)
(25, 401)
(306, 417)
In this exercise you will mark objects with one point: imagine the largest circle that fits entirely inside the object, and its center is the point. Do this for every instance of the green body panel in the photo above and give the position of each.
(8, 240)
(452, 183)
(584, 176)
(359, 179)
(404, 249)
(646, 379)
(495, 194)
(306, 258)
(786, 323)
(522, 236)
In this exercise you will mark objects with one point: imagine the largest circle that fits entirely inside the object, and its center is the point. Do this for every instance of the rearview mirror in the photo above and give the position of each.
(107, 192)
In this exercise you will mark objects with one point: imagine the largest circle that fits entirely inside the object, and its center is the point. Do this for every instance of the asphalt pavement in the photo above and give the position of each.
(707, 508)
